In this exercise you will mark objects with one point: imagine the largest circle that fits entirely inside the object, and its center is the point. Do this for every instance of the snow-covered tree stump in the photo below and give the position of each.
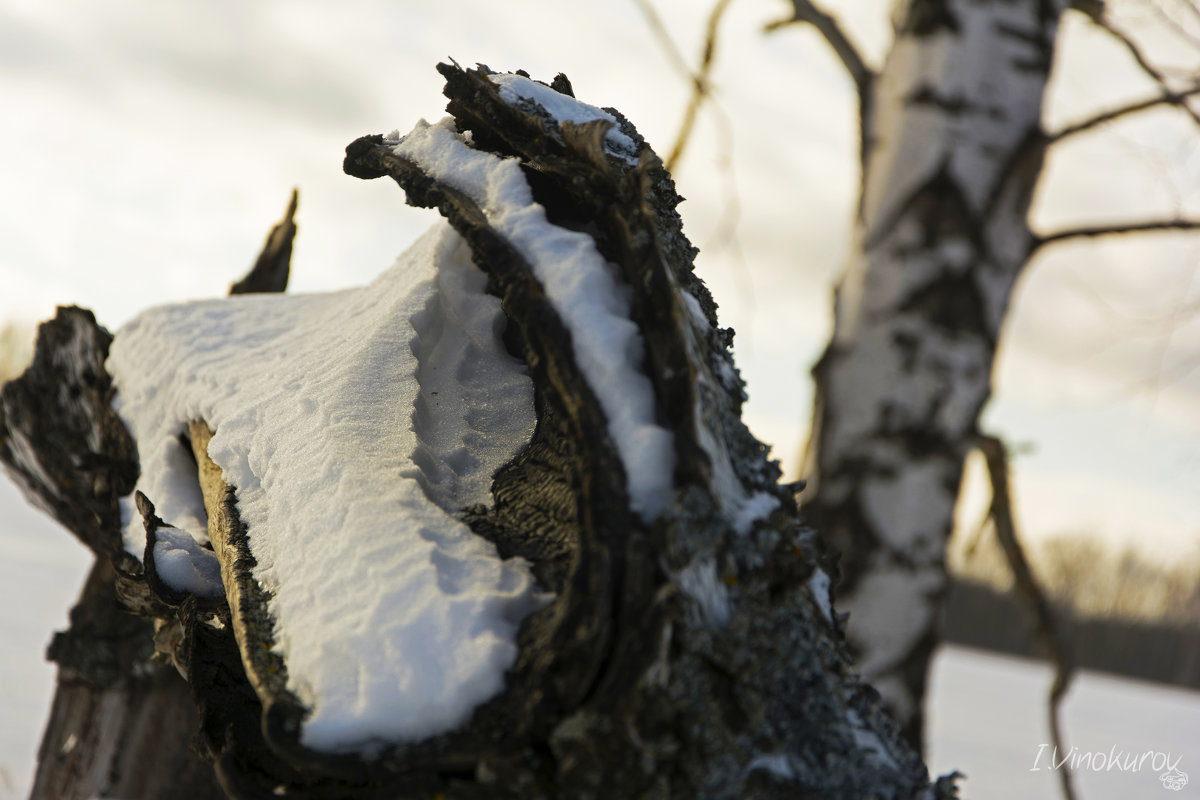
(491, 527)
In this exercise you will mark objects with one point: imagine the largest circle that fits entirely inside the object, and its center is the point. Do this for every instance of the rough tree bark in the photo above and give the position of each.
(693, 657)
(952, 147)
(122, 722)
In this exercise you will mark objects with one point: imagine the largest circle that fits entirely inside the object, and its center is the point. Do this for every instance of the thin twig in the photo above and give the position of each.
(1048, 631)
(1102, 21)
(1166, 98)
(807, 12)
(1178, 27)
(863, 76)
(726, 233)
(664, 38)
(1092, 231)
(701, 89)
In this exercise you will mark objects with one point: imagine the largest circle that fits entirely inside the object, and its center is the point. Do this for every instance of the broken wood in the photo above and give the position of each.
(273, 267)
(123, 722)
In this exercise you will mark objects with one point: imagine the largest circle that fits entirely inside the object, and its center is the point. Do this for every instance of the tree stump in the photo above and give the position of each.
(690, 651)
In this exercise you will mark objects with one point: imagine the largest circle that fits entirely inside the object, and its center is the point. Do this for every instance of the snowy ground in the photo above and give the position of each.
(987, 716)
(988, 721)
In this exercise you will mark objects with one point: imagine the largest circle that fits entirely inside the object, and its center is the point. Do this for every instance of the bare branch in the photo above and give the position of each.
(862, 75)
(1166, 98)
(1177, 26)
(701, 88)
(1101, 20)
(1048, 631)
(1093, 231)
(828, 26)
(664, 38)
(726, 231)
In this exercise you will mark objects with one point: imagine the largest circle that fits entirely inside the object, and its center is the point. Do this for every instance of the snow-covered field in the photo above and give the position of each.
(988, 720)
(987, 716)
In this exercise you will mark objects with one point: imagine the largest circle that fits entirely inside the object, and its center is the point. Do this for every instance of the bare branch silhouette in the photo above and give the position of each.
(1103, 21)
(827, 25)
(1049, 633)
(1178, 99)
(701, 87)
(1093, 231)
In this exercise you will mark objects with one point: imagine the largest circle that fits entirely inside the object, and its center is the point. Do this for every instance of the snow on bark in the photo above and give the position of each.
(952, 153)
(581, 285)
(393, 619)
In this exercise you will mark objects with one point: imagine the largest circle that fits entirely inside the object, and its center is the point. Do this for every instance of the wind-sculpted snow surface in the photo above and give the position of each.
(341, 422)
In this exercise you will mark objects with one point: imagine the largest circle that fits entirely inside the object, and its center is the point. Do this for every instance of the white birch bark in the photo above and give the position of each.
(952, 151)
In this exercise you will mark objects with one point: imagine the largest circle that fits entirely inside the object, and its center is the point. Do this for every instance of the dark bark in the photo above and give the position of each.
(271, 271)
(122, 723)
(691, 657)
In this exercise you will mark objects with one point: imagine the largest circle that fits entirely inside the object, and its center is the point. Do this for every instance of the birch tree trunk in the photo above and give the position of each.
(952, 149)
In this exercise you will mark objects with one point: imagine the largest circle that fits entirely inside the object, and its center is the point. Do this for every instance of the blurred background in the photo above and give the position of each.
(146, 148)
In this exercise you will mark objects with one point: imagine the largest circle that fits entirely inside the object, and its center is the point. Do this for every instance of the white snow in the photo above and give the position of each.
(185, 565)
(42, 568)
(515, 88)
(585, 291)
(739, 507)
(700, 582)
(818, 584)
(775, 763)
(752, 508)
(350, 424)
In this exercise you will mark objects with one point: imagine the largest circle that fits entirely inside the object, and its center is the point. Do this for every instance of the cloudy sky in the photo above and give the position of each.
(145, 149)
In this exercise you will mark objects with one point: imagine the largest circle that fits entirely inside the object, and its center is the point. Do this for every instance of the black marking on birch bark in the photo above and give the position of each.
(952, 302)
(943, 210)
(928, 17)
(1020, 173)
(1034, 36)
(956, 104)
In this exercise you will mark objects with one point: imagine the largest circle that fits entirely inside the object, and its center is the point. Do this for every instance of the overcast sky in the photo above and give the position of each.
(146, 148)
